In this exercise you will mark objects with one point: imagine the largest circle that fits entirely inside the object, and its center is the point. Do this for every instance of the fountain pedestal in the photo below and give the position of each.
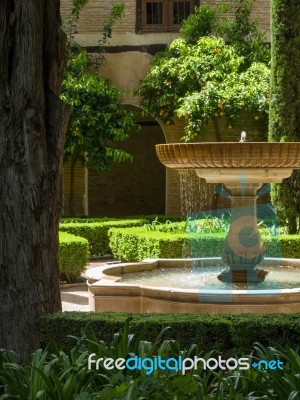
(243, 248)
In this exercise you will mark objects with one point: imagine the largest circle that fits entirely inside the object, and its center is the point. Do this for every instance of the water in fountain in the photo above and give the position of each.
(195, 193)
(205, 277)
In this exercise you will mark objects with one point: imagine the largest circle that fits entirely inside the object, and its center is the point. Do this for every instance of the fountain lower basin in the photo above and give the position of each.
(107, 293)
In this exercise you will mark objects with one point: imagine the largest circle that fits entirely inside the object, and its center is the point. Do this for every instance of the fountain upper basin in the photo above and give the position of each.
(263, 162)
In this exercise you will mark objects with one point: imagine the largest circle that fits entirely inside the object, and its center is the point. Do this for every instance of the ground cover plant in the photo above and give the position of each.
(57, 375)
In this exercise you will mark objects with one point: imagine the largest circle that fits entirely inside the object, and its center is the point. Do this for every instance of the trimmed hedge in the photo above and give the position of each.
(97, 232)
(85, 220)
(73, 254)
(149, 218)
(227, 333)
(136, 244)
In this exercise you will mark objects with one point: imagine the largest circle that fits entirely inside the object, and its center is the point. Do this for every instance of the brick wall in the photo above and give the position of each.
(131, 188)
(92, 16)
(79, 189)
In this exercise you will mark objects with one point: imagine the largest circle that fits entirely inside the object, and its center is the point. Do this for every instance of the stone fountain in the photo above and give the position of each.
(243, 168)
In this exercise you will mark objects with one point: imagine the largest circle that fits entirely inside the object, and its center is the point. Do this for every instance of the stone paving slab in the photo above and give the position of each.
(75, 298)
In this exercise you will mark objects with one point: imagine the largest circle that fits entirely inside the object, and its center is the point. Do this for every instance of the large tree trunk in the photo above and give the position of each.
(32, 131)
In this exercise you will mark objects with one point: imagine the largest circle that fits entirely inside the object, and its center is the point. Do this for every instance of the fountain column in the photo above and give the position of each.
(243, 248)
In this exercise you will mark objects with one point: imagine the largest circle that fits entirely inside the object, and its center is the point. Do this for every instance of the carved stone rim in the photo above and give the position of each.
(230, 155)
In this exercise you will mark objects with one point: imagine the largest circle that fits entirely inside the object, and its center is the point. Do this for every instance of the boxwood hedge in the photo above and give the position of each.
(97, 232)
(137, 243)
(73, 255)
(226, 333)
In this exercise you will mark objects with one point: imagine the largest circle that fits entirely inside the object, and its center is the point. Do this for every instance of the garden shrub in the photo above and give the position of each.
(97, 232)
(290, 246)
(148, 218)
(138, 243)
(73, 255)
(135, 244)
(227, 333)
(85, 219)
(82, 372)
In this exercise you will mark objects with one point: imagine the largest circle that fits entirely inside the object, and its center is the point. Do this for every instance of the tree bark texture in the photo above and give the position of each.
(33, 123)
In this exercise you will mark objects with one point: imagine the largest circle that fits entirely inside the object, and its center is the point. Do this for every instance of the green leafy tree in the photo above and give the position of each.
(241, 32)
(284, 122)
(203, 82)
(98, 120)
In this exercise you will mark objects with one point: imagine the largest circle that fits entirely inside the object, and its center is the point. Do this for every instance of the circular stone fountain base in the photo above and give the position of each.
(109, 291)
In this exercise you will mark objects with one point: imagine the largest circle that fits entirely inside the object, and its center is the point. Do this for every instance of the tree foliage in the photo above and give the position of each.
(203, 82)
(285, 101)
(241, 32)
(98, 120)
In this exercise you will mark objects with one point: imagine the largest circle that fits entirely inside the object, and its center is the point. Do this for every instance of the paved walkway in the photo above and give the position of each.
(75, 298)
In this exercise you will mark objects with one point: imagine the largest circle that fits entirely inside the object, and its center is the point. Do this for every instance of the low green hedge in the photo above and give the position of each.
(85, 220)
(73, 255)
(226, 333)
(97, 232)
(137, 243)
(148, 218)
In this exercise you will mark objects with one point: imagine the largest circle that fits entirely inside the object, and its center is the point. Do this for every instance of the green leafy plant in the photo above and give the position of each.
(284, 122)
(205, 224)
(241, 32)
(98, 120)
(202, 83)
(59, 375)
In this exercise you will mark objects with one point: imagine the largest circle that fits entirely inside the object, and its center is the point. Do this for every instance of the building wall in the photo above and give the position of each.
(79, 189)
(132, 188)
(124, 32)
